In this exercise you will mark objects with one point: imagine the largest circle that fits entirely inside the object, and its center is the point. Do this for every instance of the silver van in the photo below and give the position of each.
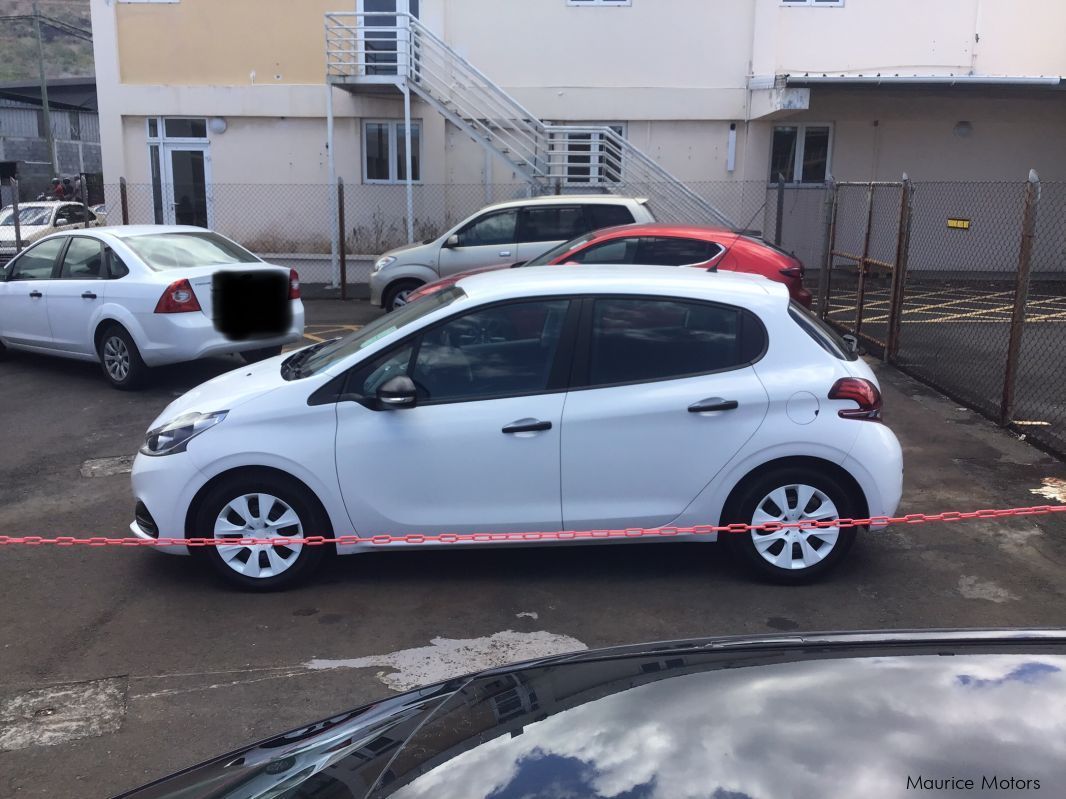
(506, 233)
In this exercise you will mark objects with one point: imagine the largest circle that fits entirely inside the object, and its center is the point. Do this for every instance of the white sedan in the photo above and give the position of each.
(142, 296)
(549, 398)
(40, 219)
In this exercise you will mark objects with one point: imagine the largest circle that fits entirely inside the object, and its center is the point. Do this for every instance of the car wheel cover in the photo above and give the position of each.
(401, 297)
(116, 358)
(793, 549)
(261, 516)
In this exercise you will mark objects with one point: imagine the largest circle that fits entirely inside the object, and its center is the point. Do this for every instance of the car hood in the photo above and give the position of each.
(7, 234)
(801, 716)
(406, 249)
(229, 390)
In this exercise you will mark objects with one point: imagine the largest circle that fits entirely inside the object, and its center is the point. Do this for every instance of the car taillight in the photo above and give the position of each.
(294, 285)
(178, 298)
(860, 391)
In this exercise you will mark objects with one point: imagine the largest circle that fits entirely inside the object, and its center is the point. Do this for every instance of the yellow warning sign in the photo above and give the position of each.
(959, 224)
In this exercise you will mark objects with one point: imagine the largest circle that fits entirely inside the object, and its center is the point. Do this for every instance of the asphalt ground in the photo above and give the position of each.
(956, 337)
(118, 666)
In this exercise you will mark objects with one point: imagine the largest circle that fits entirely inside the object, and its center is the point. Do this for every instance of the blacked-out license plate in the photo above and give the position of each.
(248, 305)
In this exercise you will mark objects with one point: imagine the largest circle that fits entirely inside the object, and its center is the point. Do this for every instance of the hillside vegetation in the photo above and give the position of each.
(64, 56)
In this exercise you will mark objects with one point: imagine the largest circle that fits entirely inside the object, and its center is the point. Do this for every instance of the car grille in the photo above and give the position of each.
(145, 521)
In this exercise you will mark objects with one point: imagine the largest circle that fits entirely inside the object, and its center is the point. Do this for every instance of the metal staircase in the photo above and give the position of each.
(384, 52)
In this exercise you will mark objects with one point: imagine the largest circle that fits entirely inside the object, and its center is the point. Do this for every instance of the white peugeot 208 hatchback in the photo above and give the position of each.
(541, 399)
(140, 296)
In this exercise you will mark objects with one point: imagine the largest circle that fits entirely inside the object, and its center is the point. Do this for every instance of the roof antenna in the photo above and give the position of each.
(714, 266)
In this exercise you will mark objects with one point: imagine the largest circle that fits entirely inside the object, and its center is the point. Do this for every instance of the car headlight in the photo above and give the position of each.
(175, 435)
(384, 261)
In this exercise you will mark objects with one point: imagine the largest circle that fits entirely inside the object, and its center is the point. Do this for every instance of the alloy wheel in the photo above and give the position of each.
(401, 297)
(792, 548)
(116, 358)
(261, 516)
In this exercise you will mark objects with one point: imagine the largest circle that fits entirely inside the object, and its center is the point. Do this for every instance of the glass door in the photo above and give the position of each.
(187, 199)
(384, 50)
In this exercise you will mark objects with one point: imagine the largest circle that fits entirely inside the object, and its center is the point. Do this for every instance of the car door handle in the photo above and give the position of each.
(505, 253)
(88, 295)
(712, 404)
(527, 426)
(36, 294)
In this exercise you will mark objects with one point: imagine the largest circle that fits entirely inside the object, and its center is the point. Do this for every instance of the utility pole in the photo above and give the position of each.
(44, 92)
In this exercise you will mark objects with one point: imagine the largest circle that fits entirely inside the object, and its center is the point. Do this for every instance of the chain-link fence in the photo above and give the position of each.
(962, 285)
(297, 223)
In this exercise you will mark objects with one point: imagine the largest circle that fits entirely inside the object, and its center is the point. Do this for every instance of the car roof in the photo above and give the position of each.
(567, 199)
(668, 281)
(707, 232)
(129, 231)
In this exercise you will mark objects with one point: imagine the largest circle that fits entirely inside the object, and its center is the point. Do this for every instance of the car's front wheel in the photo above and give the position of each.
(397, 294)
(262, 506)
(792, 555)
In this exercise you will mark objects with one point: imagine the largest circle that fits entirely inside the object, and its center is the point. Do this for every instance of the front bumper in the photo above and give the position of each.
(166, 484)
(378, 281)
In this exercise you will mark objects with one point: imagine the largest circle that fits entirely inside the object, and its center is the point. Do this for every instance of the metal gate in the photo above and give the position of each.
(862, 283)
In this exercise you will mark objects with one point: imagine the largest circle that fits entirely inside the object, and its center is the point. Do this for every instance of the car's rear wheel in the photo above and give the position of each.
(121, 360)
(397, 294)
(792, 555)
(254, 356)
(262, 506)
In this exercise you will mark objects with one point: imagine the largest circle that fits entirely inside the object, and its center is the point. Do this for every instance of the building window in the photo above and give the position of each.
(800, 153)
(828, 3)
(385, 154)
(599, 2)
(177, 128)
(590, 158)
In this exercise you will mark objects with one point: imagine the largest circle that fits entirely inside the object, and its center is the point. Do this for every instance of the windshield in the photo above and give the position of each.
(562, 249)
(328, 354)
(27, 216)
(161, 251)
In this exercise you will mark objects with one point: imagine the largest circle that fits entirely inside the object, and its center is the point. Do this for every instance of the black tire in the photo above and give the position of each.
(397, 291)
(114, 342)
(742, 510)
(312, 520)
(254, 356)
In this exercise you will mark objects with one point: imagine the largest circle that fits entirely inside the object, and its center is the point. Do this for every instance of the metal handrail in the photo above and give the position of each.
(545, 153)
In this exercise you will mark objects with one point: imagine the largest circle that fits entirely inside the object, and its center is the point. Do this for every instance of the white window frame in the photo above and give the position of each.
(149, 1)
(394, 125)
(608, 3)
(161, 126)
(801, 145)
(813, 3)
(595, 164)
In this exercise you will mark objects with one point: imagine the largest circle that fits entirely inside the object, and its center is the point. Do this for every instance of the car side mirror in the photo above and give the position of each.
(397, 392)
(62, 221)
(452, 240)
(852, 342)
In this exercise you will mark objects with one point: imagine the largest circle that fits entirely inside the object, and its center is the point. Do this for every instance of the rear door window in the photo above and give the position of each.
(824, 336)
(674, 251)
(640, 339)
(551, 223)
(83, 260)
(608, 216)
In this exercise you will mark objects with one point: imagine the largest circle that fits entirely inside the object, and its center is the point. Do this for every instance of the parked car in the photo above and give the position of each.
(541, 399)
(808, 716)
(40, 219)
(667, 245)
(136, 297)
(501, 234)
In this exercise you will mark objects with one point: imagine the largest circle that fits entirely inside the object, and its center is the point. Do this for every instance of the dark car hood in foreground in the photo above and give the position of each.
(734, 718)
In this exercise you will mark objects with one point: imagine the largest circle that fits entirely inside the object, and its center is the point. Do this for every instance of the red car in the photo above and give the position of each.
(670, 245)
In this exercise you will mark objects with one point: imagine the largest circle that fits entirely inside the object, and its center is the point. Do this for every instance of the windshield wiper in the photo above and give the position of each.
(292, 367)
